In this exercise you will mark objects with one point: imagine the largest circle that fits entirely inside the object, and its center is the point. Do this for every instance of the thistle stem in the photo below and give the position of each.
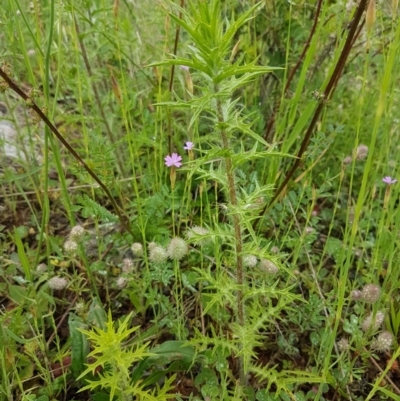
(238, 234)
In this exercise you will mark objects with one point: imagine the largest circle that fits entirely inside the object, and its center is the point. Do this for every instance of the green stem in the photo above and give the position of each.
(238, 233)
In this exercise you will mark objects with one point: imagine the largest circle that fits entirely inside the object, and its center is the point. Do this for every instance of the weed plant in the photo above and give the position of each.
(204, 205)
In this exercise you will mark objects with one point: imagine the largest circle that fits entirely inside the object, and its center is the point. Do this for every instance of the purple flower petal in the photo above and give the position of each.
(189, 146)
(389, 180)
(173, 160)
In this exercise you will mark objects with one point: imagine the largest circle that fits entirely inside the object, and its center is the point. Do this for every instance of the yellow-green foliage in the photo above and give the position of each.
(113, 361)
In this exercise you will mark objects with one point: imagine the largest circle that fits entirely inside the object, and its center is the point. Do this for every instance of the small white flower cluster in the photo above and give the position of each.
(371, 293)
(58, 283)
(264, 265)
(177, 249)
(75, 236)
(383, 342)
(128, 266)
(198, 235)
(373, 321)
(268, 266)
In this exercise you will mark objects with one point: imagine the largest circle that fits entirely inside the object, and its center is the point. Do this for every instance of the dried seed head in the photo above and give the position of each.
(249, 261)
(177, 248)
(157, 254)
(383, 342)
(137, 249)
(57, 283)
(370, 293)
(370, 15)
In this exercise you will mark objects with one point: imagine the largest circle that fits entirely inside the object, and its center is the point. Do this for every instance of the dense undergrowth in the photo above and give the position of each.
(199, 200)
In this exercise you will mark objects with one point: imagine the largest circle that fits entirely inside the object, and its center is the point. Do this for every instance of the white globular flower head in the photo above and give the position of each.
(121, 282)
(157, 254)
(347, 160)
(177, 248)
(355, 295)
(361, 152)
(76, 234)
(383, 342)
(151, 245)
(343, 344)
(249, 261)
(195, 233)
(137, 249)
(58, 283)
(370, 293)
(127, 265)
(268, 266)
(79, 307)
(373, 321)
(41, 268)
(70, 247)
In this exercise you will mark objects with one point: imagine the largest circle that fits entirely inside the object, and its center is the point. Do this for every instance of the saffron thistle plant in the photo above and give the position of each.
(113, 363)
(230, 146)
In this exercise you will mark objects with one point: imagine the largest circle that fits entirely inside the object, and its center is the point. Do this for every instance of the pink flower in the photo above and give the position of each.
(173, 161)
(389, 180)
(189, 146)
